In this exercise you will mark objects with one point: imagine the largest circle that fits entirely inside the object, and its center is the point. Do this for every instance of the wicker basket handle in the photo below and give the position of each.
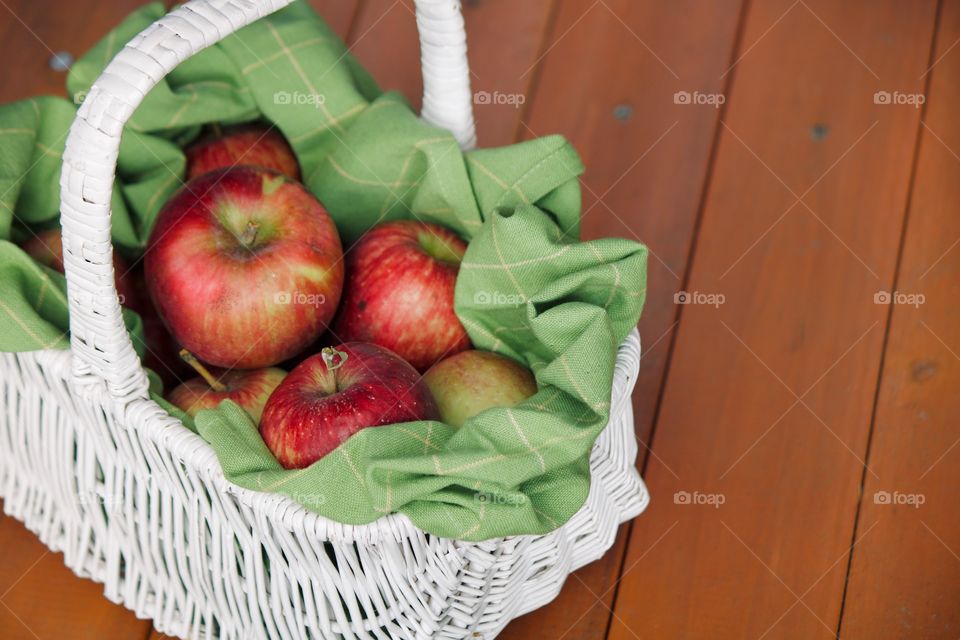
(101, 346)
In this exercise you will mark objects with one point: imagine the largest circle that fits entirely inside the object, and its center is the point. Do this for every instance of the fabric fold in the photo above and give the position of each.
(528, 288)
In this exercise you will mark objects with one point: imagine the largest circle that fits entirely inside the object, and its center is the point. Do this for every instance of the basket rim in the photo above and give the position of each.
(163, 430)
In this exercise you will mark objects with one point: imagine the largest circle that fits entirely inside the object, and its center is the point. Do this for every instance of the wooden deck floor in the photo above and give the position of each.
(790, 163)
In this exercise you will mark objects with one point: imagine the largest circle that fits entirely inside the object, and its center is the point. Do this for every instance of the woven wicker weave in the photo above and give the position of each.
(136, 501)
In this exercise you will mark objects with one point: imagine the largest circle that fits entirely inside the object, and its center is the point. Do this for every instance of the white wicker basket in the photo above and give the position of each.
(136, 501)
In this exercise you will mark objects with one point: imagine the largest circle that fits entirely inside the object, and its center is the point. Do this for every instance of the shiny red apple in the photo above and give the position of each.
(334, 394)
(473, 381)
(160, 350)
(245, 267)
(46, 247)
(399, 292)
(248, 388)
(249, 144)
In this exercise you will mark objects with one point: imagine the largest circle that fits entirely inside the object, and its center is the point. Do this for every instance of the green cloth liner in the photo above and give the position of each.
(527, 287)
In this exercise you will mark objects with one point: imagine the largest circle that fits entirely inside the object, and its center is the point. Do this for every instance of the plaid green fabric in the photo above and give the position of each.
(527, 288)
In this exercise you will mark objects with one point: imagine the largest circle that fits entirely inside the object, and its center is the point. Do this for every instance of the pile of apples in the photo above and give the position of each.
(246, 270)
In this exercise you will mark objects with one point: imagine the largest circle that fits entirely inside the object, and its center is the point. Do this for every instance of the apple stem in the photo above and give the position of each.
(215, 128)
(329, 354)
(249, 235)
(191, 360)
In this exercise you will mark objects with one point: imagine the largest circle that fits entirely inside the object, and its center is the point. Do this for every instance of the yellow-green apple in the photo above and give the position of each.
(399, 292)
(249, 144)
(46, 247)
(473, 381)
(249, 389)
(245, 267)
(337, 392)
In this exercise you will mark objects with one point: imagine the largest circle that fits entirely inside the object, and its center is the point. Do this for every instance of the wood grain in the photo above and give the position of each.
(503, 37)
(768, 403)
(32, 33)
(797, 317)
(41, 598)
(621, 117)
(905, 576)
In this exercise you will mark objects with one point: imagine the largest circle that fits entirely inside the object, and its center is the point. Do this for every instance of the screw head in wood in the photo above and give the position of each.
(61, 61)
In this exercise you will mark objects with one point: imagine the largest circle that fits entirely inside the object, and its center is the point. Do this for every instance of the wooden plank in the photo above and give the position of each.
(504, 38)
(905, 575)
(607, 83)
(33, 31)
(41, 598)
(769, 398)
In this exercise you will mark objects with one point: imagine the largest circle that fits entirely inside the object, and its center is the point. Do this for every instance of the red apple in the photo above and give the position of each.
(334, 394)
(473, 381)
(161, 352)
(399, 292)
(46, 247)
(245, 267)
(250, 144)
(249, 389)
